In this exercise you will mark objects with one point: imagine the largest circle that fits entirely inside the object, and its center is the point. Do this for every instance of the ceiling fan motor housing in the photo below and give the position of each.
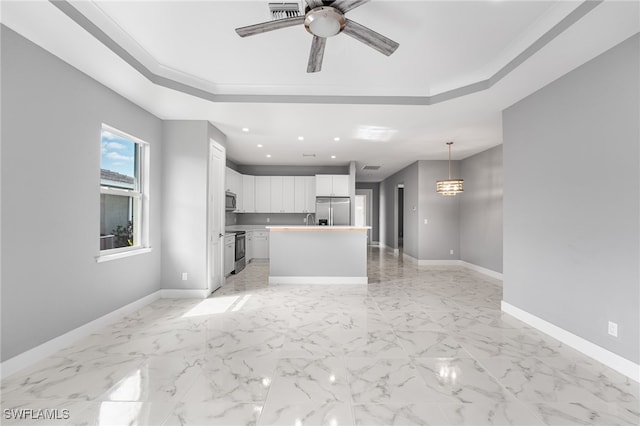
(324, 21)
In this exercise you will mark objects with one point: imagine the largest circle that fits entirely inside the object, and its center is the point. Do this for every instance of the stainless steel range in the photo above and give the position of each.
(240, 251)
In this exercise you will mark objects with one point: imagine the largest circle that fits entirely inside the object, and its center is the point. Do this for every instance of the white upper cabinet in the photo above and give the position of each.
(332, 186)
(248, 194)
(282, 194)
(288, 194)
(305, 194)
(234, 181)
(263, 194)
(276, 194)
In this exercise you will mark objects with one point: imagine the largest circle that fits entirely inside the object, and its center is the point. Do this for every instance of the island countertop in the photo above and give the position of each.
(316, 228)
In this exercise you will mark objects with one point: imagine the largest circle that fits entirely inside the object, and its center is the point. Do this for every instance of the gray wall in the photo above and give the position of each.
(571, 201)
(185, 165)
(442, 231)
(388, 221)
(375, 207)
(51, 121)
(481, 209)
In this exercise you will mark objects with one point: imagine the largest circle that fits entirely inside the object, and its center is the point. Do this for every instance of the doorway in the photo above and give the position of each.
(364, 210)
(400, 230)
(216, 210)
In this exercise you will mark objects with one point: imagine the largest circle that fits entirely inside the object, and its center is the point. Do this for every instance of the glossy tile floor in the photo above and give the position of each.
(418, 345)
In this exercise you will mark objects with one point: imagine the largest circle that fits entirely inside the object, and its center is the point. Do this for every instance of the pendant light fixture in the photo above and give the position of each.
(449, 186)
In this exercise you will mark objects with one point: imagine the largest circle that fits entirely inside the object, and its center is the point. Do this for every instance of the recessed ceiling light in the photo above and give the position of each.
(268, 155)
(333, 156)
(245, 129)
(300, 138)
(337, 139)
(259, 145)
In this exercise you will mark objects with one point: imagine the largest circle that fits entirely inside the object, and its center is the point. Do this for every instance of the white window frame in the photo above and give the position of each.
(141, 203)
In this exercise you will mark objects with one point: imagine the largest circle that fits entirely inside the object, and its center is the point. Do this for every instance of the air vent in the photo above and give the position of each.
(308, 155)
(284, 10)
(370, 167)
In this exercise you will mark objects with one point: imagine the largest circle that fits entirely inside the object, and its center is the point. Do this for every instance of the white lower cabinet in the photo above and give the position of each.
(260, 249)
(248, 253)
(229, 254)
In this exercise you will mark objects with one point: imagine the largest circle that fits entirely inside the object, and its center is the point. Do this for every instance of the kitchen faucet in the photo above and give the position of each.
(307, 219)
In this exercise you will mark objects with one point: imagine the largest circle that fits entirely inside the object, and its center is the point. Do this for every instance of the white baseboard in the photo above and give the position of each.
(608, 358)
(425, 262)
(46, 349)
(455, 262)
(318, 280)
(485, 271)
(180, 293)
(408, 258)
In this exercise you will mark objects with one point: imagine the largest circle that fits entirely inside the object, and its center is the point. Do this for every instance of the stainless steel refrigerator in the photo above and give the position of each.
(333, 211)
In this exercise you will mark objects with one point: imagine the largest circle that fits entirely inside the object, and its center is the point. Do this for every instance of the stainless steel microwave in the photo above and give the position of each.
(230, 201)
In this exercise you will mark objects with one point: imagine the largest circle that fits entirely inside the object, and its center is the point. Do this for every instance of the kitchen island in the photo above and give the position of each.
(318, 254)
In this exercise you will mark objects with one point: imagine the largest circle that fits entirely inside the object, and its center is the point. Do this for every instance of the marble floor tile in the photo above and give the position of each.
(157, 379)
(71, 380)
(535, 380)
(486, 341)
(399, 415)
(418, 345)
(303, 380)
(577, 413)
(460, 380)
(313, 414)
(244, 380)
(430, 344)
(122, 413)
(374, 380)
(491, 414)
(214, 414)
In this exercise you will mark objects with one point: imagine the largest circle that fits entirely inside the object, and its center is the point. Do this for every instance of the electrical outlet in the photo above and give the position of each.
(426, 221)
(268, 219)
(304, 220)
(185, 276)
(451, 251)
(613, 329)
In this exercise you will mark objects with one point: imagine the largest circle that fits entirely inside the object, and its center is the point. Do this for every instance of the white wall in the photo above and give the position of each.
(571, 201)
(51, 122)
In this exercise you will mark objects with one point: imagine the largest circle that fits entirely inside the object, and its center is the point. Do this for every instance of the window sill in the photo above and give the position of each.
(108, 257)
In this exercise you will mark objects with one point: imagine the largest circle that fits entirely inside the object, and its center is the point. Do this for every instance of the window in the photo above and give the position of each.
(124, 175)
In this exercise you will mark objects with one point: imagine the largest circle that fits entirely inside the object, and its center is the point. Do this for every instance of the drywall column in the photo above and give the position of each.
(186, 163)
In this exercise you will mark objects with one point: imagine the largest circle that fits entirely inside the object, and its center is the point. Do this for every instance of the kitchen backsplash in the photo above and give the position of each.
(261, 218)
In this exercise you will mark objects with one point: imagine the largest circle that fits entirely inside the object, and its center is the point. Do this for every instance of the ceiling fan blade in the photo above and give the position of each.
(346, 5)
(369, 37)
(269, 26)
(316, 54)
(314, 3)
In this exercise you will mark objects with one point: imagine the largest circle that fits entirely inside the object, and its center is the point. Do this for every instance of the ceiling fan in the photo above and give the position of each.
(324, 19)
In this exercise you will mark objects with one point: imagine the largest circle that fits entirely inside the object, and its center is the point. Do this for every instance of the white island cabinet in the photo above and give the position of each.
(318, 254)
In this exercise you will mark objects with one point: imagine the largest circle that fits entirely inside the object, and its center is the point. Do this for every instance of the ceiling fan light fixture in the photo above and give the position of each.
(324, 21)
(449, 186)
